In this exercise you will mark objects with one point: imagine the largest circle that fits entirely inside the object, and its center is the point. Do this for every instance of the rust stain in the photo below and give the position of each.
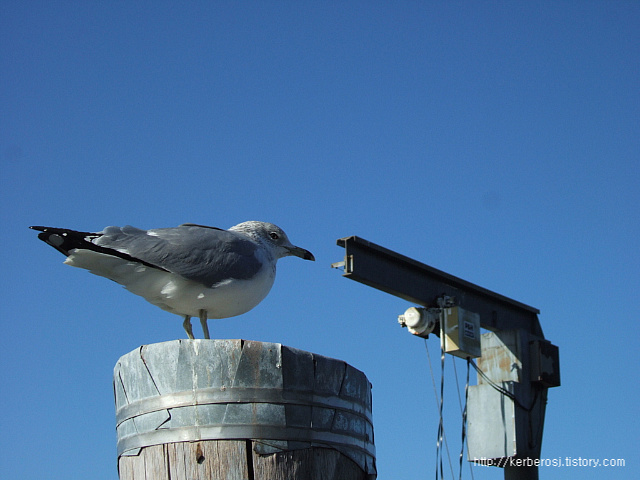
(505, 364)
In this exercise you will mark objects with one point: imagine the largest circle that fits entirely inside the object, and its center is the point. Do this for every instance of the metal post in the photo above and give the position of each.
(525, 362)
(520, 473)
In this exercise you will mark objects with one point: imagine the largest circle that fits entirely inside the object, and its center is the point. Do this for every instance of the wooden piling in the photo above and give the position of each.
(234, 409)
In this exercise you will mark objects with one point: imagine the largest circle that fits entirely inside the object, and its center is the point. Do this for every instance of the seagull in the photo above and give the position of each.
(190, 270)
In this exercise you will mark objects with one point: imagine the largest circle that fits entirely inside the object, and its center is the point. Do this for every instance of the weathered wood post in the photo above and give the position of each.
(241, 410)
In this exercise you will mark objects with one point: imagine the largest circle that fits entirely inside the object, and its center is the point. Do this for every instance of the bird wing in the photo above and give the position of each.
(206, 255)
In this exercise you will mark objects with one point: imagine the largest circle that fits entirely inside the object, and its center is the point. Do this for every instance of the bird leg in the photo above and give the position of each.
(203, 321)
(187, 326)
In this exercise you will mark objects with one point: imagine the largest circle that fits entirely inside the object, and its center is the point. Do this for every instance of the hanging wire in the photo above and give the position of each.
(464, 420)
(504, 391)
(455, 372)
(463, 412)
(435, 393)
(441, 424)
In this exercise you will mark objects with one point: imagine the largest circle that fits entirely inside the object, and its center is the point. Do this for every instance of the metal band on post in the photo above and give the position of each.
(210, 396)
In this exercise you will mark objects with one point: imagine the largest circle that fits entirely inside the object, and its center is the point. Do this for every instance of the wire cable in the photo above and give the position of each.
(503, 390)
(441, 424)
(435, 393)
(464, 419)
(463, 413)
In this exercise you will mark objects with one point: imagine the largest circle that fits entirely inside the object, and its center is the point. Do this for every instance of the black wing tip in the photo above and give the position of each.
(65, 240)
(62, 239)
(52, 229)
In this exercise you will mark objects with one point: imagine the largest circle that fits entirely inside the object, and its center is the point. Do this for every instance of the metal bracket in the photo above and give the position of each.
(398, 275)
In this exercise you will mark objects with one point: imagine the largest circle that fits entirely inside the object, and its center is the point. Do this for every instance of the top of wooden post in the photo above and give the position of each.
(189, 390)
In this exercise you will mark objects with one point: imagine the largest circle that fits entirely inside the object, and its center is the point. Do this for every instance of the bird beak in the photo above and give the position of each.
(301, 252)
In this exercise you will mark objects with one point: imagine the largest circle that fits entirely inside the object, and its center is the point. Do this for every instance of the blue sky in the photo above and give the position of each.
(497, 141)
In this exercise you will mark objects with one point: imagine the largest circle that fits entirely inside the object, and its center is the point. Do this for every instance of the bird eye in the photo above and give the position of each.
(274, 236)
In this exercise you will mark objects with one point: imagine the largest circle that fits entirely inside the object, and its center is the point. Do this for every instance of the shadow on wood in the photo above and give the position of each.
(234, 409)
